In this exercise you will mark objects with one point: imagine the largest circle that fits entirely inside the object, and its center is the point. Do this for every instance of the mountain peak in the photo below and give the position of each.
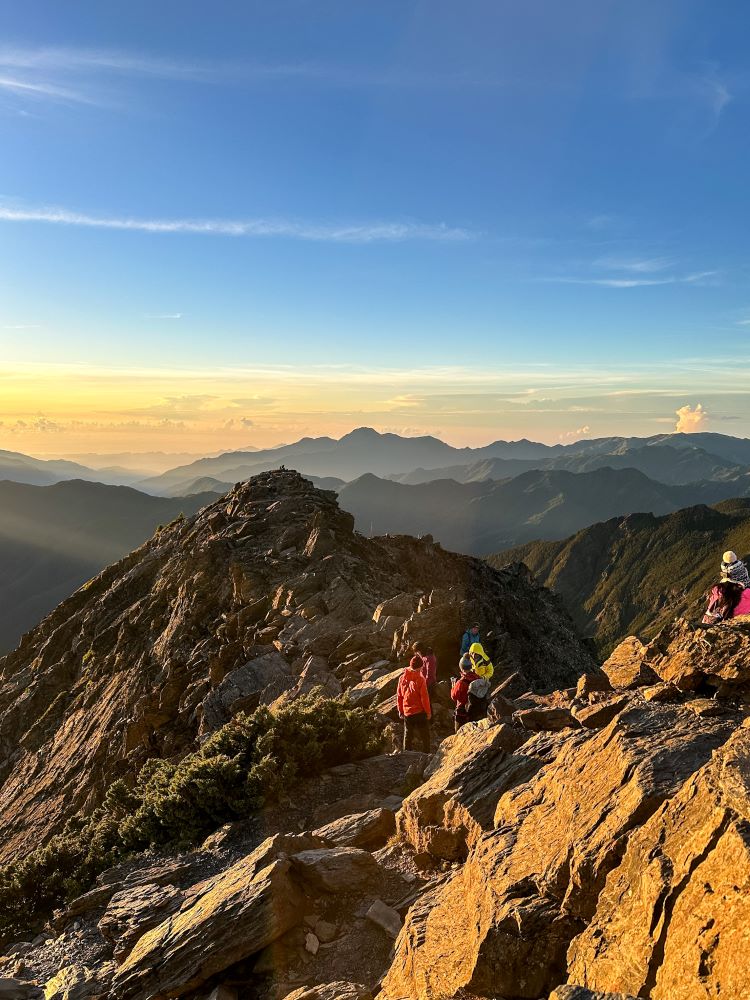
(252, 597)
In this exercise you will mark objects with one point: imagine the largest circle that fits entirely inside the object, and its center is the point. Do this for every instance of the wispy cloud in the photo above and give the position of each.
(163, 316)
(372, 232)
(642, 265)
(698, 278)
(43, 91)
(714, 92)
(698, 95)
(21, 326)
(49, 72)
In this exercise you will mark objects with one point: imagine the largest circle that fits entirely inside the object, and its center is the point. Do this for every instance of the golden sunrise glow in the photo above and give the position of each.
(58, 409)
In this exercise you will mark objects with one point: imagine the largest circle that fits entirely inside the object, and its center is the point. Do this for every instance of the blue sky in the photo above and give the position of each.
(203, 200)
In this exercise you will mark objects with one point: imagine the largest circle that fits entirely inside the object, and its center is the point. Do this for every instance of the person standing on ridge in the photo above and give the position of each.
(477, 660)
(460, 692)
(429, 663)
(414, 706)
(470, 636)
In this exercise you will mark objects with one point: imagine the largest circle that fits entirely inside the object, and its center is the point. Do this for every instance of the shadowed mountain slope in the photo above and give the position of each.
(636, 573)
(480, 517)
(54, 538)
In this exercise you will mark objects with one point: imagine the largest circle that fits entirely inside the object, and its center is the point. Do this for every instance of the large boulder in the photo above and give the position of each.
(225, 919)
(626, 666)
(401, 606)
(359, 829)
(375, 691)
(260, 681)
(456, 802)
(689, 657)
(78, 982)
(340, 869)
(568, 803)
(672, 920)
(600, 711)
(131, 912)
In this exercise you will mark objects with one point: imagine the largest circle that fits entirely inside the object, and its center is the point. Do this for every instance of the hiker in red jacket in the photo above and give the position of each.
(460, 694)
(414, 705)
(429, 663)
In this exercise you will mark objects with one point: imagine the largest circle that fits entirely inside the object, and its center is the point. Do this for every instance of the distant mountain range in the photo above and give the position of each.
(54, 538)
(474, 500)
(675, 459)
(636, 573)
(485, 517)
(18, 468)
(663, 462)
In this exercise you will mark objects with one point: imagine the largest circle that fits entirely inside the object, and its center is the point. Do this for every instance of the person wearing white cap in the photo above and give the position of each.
(730, 598)
(734, 570)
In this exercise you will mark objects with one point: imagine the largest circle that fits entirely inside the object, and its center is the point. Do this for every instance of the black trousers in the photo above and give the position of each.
(417, 727)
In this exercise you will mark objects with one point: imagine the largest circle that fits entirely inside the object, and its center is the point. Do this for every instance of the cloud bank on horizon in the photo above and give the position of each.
(82, 408)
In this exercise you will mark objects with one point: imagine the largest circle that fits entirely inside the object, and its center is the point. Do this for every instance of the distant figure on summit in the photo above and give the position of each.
(730, 598)
(470, 635)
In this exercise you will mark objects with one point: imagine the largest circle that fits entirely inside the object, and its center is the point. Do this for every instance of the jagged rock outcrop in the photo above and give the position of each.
(671, 923)
(257, 598)
(688, 657)
(565, 806)
(584, 843)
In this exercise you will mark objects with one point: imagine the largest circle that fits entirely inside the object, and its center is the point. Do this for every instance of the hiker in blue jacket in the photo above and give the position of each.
(471, 635)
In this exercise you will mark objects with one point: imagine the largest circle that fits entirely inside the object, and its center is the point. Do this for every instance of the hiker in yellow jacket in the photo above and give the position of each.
(478, 661)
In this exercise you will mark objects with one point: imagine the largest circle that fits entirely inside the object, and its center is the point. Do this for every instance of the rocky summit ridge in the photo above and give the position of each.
(260, 596)
(590, 840)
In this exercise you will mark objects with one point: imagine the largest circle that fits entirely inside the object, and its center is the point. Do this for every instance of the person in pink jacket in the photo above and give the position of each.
(727, 600)
(429, 662)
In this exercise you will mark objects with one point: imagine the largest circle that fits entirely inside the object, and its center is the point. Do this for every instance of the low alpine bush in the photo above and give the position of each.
(247, 763)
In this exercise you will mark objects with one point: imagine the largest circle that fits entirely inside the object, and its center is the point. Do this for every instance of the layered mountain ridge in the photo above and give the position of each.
(672, 458)
(484, 517)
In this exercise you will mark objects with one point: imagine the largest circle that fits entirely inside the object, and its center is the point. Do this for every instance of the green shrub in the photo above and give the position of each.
(247, 763)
